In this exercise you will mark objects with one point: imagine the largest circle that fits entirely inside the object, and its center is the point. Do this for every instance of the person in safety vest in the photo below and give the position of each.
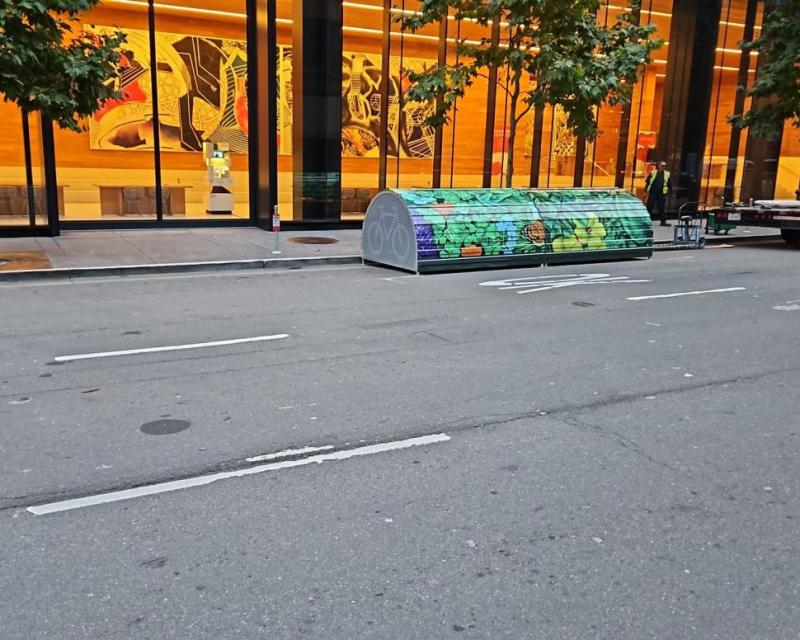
(657, 187)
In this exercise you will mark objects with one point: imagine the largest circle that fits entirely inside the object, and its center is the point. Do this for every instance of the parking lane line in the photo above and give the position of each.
(176, 347)
(287, 453)
(685, 293)
(199, 481)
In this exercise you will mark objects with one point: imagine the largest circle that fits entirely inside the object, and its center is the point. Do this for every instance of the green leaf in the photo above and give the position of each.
(776, 91)
(48, 67)
(553, 52)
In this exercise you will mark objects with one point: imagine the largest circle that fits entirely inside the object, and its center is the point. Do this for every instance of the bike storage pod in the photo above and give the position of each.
(426, 230)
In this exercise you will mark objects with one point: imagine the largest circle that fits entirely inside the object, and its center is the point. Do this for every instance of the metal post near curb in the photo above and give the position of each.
(276, 230)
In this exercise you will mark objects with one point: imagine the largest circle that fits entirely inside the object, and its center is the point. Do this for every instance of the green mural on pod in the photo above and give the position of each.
(426, 230)
(463, 234)
(468, 223)
(578, 234)
(454, 223)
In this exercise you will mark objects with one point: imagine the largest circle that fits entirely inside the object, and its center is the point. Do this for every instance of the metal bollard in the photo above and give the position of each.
(276, 230)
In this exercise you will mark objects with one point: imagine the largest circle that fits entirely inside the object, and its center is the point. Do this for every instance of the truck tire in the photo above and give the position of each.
(792, 236)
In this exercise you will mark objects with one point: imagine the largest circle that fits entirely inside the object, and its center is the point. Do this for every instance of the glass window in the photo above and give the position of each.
(545, 156)
(724, 91)
(363, 37)
(788, 182)
(563, 150)
(523, 143)
(284, 25)
(501, 138)
(107, 171)
(201, 60)
(463, 138)
(21, 178)
(413, 140)
(648, 97)
(36, 196)
(601, 156)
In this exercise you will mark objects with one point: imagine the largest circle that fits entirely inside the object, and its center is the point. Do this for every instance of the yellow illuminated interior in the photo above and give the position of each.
(99, 183)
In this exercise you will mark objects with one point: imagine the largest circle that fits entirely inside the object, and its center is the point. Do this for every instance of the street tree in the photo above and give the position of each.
(49, 65)
(776, 91)
(551, 52)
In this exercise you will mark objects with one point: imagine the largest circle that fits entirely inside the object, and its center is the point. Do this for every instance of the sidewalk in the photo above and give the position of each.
(239, 247)
(75, 249)
(665, 234)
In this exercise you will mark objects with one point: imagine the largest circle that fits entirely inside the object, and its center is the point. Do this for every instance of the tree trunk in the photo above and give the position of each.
(512, 132)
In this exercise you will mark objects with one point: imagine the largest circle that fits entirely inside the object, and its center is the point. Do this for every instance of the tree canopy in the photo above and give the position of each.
(552, 52)
(776, 91)
(48, 64)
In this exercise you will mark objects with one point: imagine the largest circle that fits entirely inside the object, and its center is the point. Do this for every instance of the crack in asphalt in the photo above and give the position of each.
(617, 438)
(23, 501)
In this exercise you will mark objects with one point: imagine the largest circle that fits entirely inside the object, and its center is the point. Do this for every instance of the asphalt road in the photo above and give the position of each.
(599, 467)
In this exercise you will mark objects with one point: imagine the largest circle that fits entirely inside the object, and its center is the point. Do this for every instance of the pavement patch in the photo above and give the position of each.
(24, 261)
(164, 427)
(313, 240)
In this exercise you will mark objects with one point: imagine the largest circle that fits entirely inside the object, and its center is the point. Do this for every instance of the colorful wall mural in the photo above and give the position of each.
(361, 107)
(285, 95)
(202, 95)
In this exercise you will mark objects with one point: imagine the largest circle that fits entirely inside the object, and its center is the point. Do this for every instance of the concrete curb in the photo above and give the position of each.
(668, 245)
(68, 273)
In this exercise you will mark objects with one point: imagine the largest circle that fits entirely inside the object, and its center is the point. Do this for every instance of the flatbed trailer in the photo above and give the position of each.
(775, 214)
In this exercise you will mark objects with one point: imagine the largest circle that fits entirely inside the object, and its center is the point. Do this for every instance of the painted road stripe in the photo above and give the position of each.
(686, 293)
(174, 347)
(288, 453)
(199, 481)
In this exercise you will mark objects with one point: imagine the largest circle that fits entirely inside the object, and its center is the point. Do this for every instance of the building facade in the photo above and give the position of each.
(308, 97)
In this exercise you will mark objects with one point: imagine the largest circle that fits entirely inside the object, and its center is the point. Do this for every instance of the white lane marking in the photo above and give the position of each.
(174, 347)
(789, 305)
(535, 284)
(686, 293)
(288, 453)
(199, 481)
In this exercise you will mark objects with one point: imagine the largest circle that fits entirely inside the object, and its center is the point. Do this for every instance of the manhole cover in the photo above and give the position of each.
(313, 240)
(164, 427)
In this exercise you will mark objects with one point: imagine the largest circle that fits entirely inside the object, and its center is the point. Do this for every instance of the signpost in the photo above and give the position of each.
(276, 229)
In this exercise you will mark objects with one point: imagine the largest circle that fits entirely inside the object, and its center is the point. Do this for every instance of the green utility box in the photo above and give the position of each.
(716, 226)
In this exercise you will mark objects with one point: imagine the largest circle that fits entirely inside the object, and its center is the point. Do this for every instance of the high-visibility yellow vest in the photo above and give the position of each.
(653, 177)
